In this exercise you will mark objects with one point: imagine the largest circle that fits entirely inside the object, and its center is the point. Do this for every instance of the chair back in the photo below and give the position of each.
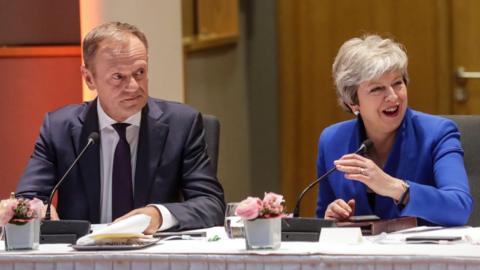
(212, 138)
(469, 127)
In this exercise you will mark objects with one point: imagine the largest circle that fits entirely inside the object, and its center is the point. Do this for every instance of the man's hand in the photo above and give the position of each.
(151, 211)
(53, 212)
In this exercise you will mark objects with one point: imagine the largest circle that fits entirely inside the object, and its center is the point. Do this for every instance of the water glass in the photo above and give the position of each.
(233, 223)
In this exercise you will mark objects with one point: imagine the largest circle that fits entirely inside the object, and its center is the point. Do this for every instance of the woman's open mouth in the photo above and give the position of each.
(392, 111)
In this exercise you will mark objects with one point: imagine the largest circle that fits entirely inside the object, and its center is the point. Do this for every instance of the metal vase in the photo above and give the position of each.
(263, 233)
(24, 236)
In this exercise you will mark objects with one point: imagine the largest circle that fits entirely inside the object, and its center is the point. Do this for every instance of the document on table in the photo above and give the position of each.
(122, 231)
(429, 235)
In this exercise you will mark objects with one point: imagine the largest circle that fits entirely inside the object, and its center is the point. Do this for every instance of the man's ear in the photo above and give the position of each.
(88, 77)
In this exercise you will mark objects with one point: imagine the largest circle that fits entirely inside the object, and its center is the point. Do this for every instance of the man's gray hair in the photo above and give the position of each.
(111, 30)
(363, 59)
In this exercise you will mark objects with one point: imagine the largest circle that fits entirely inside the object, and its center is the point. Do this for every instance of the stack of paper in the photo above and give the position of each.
(127, 231)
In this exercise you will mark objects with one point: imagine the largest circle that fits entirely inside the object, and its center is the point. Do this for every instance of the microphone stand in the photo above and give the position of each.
(49, 203)
(308, 229)
(65, 231)
(296, 210)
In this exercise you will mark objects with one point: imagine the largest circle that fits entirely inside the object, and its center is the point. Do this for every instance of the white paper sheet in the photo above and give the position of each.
(130, 227)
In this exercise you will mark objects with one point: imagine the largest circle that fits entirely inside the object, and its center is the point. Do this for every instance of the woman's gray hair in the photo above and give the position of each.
(363, 59)
(111, 30)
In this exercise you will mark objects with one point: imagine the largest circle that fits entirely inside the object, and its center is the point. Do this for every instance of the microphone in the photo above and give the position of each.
(65, 231)
(308, 229)
(367, 144)
(92, 139)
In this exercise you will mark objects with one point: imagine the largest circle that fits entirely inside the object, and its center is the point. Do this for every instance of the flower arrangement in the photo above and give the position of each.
(19, 211)
(271, 206)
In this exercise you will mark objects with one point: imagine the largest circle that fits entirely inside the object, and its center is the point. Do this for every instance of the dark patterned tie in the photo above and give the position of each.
(122, 191)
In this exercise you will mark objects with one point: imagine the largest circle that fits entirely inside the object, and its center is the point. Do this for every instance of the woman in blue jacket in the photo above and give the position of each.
(415, 167)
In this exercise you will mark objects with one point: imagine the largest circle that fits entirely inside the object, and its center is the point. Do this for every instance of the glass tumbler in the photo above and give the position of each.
(233, 223)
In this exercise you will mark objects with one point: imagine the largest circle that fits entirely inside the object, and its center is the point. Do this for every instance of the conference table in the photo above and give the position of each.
(374, 253)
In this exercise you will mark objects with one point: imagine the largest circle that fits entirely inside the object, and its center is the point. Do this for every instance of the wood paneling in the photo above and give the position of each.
(40, 51)
(310, 33)
(466, 51)
(31, 86)
(52, 22)
(194, 44)
(188, 18)
(209, 23)
(217, 17)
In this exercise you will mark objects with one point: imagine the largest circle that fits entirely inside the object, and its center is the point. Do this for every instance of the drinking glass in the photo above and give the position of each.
(233, 223)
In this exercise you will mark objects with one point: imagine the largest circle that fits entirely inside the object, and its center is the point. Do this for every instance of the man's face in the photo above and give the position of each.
(118, 72)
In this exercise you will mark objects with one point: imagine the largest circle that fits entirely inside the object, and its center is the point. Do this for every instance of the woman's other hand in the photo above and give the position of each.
(340, 210)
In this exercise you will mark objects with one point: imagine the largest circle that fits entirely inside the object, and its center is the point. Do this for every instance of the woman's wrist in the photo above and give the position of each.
(404, 196)
(399, 189)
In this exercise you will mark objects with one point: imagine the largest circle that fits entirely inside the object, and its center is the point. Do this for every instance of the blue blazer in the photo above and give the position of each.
(173, 167)
(427, 153)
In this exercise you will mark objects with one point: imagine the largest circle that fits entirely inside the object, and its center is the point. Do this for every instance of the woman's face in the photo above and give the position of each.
(382, 103)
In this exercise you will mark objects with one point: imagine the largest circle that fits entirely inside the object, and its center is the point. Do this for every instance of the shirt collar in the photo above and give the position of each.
(106, 121)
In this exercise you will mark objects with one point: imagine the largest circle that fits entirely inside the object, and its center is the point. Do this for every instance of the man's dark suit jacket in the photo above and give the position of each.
(173, 167)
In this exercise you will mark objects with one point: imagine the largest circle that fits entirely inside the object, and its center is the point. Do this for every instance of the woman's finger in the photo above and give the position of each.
(342, 209)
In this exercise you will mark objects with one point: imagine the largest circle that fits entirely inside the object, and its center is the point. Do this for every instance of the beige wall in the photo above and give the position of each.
(160, 20)
(238, 85)
(216, 84)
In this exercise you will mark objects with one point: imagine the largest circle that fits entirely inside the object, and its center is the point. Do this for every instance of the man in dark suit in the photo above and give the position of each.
(168, 174)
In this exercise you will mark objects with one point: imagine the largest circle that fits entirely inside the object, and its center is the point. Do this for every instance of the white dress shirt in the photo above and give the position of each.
(108, 143)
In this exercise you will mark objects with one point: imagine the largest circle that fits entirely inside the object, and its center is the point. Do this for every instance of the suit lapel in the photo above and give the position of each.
(89, 164)
(152, 137)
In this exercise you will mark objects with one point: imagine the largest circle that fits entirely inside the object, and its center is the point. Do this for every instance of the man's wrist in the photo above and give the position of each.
(160, 217)
(168, 220)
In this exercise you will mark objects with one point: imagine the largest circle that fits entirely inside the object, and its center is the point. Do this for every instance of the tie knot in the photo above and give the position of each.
(121, 129)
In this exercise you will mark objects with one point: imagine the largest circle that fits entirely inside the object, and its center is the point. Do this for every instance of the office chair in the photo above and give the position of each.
(212, 137)
(469, 127)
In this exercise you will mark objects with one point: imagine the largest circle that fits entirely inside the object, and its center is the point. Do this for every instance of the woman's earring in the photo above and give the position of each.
(356, 113)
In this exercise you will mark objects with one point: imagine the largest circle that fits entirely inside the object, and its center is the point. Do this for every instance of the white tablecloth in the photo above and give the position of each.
(231, 254)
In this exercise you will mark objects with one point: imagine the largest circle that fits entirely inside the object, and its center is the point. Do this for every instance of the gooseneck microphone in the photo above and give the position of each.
(92, 139)
(367, 144)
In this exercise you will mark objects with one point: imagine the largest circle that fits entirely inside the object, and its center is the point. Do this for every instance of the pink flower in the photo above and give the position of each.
(252, 207)
(36, 206)
(272, 204)
(20, 210)
(7, 208)
(249, 208)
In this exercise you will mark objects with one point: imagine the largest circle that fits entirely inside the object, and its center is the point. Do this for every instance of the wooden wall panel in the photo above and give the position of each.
(466, 53)
(217, 18)
(31, 86)
(27, 22)
(310, 34)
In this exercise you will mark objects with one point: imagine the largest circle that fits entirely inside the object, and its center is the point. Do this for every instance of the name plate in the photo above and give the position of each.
(334, 235)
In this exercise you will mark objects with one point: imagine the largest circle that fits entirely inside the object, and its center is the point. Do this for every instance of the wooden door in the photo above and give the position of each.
(466, 54)
(310, 33)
